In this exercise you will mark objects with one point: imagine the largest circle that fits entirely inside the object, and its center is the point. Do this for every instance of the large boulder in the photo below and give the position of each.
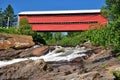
(40, 51)
(15, 41)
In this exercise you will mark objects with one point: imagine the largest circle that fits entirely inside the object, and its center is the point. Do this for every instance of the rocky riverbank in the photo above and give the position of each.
(84, 62)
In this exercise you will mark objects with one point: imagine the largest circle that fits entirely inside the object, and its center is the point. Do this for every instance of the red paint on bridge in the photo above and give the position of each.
(64, 20)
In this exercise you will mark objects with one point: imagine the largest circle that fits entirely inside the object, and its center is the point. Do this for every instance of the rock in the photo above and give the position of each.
(9, 54)
(68, 72)
(107, 73)
(40, 51)
(15, 41)
(25, 53)
(77, 60)
(100, 56)
(43, 65)
(25, 70)
(94, 48)
(70, 67)
(98, 49)
(66, 69)
(59, 50)
(22, 53)
(51, 48)
(113, 68)
(90, 76)
(13, 53)
(87, 44)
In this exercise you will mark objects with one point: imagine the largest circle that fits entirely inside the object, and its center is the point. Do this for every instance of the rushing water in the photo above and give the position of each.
(59, 54)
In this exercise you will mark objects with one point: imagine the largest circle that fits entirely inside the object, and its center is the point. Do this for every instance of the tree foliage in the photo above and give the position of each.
(7, 15)
(57, 36)
(0, 17)
(25, 27)
(46, 35)
(112, 11)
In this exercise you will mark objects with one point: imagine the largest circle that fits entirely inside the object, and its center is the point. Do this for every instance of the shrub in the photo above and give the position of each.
(24, 27)
(38, 39)
(116, 73)
(11, 30)
(103, 36)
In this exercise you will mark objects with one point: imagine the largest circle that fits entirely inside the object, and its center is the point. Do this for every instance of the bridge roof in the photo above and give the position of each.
(58, 12)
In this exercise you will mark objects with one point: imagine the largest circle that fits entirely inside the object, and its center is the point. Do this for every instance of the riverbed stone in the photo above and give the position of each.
(90, 76)
(25, 70)
(41, 51)
(15, 41)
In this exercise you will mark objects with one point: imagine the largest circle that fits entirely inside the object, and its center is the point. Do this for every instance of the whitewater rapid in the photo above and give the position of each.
(59, 54)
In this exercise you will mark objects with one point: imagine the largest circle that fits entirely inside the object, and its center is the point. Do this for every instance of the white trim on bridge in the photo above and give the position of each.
(59, 12)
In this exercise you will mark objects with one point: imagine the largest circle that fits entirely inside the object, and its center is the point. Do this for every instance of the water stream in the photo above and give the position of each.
(59, 54)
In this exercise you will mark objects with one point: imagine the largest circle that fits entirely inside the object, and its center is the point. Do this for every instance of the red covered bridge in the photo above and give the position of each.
(68, 20)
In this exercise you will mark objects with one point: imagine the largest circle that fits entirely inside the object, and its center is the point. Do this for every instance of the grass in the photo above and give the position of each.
(118, 57)
(104, 67)
(116, 73)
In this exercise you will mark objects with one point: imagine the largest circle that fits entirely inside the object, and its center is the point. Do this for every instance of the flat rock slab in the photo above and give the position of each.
(15, 41)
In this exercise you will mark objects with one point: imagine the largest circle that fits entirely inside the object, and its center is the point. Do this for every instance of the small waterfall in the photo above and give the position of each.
(59, 54)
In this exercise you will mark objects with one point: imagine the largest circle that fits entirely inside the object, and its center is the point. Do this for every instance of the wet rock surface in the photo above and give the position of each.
(40, 51)
(26, 70)
(95, 66)
(23, 53)
(90, 76)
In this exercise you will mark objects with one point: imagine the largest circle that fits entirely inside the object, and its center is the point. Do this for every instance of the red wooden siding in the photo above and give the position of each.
(62, 27)
(64, 22)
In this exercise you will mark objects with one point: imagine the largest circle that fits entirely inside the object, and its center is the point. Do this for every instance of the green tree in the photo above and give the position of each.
(112, 11)
(0, 17)
(25, 27)
(57, 35)
(72, 34)
(10, 16)
(46, 35)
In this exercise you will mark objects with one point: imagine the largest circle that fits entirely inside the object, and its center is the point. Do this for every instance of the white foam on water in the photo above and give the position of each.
(4, 63)
(67, 54)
